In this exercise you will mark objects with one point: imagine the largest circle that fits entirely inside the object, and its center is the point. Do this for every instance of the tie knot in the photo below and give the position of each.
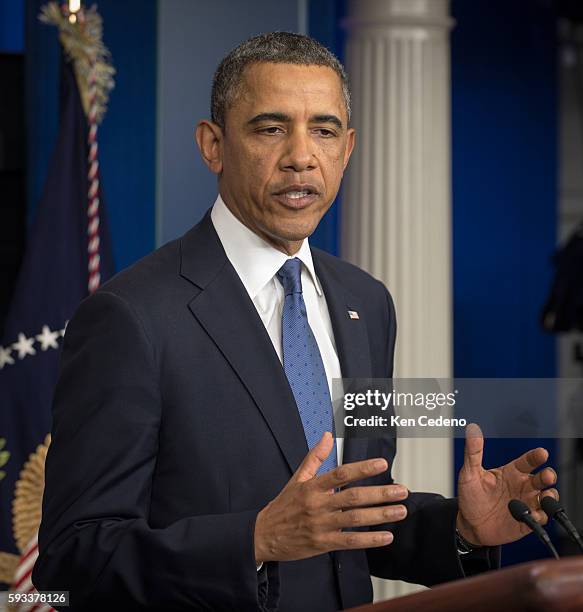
(290, 276)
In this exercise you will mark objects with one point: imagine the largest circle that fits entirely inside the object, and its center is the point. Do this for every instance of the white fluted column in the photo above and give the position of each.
(396, 206)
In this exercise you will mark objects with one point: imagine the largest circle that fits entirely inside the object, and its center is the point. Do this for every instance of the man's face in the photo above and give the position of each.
(283, 150)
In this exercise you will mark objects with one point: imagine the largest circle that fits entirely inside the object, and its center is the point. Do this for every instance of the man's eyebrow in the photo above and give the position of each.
(281, 117)
(333, 119)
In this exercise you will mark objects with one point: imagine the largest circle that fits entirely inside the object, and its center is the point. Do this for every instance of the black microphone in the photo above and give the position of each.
(521, 513)
(554, 510)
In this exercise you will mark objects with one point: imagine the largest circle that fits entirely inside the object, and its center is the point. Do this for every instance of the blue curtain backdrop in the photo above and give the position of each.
(504, 200)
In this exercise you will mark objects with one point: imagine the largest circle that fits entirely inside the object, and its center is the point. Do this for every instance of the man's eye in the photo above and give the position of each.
(326, 133)
(272, 130)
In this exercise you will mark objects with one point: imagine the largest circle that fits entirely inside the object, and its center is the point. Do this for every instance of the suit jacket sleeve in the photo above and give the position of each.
(95, 539)
(424, 549)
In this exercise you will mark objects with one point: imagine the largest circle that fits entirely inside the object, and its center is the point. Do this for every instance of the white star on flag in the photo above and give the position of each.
(48, 339)
(5, 358)
(24, 346)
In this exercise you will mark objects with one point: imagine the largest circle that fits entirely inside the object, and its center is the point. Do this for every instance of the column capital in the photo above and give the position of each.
(400, 13)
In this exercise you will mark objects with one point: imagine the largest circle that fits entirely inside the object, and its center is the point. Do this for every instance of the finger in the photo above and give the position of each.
(540, 517)
(367, 496)
(531, 460)
(314, 459)
(543, 479)
(350, 540)
(366, 517)
(474, 448)
(350, 472)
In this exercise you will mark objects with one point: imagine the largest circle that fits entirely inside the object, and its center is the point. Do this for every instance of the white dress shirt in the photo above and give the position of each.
(257, 262)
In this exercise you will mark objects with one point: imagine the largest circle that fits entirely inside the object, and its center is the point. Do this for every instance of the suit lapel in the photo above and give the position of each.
(351, 338)
(226, 312)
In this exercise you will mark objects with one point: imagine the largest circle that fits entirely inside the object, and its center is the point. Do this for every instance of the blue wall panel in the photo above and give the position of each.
(324, 24)
(128, 134)
(504, 198)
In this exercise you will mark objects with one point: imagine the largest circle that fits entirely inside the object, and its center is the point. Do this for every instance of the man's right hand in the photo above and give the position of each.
(307, 517)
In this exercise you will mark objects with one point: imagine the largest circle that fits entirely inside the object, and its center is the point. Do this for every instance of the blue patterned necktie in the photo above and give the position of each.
(303, 363)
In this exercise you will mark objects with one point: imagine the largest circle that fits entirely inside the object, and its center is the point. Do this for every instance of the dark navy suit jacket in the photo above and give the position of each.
(174, 424)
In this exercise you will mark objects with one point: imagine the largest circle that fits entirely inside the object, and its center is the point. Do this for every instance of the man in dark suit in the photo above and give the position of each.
(192, 464)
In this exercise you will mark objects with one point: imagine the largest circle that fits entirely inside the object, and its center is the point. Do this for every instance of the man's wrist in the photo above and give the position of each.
(465, 536)
(463, 546)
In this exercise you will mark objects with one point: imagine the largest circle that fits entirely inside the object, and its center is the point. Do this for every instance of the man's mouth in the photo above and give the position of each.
(297, 196)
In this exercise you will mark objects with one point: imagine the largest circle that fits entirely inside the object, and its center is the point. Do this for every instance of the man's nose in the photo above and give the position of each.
(299, 156)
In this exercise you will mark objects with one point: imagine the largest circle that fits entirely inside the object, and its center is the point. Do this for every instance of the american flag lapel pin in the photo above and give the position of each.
(353, 314)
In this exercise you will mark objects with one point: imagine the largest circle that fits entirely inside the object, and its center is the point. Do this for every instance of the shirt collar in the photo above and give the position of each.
(255, 261)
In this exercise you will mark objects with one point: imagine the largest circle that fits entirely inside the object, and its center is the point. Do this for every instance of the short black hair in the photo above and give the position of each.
(274, 47)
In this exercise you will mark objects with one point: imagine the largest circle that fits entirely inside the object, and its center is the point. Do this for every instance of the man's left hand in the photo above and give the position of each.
(483, 516)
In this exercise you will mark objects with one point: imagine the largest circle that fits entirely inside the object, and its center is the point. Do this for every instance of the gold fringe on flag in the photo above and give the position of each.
(82, 40)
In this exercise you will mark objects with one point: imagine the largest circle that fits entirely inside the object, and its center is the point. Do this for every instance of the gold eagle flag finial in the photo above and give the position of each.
(81, 34)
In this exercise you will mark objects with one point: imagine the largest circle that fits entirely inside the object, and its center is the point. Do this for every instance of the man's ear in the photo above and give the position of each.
(350, 142)
(209, 138)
